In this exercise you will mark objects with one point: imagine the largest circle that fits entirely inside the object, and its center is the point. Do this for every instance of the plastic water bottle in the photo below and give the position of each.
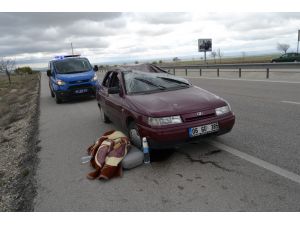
(146, 151)
(86, 159)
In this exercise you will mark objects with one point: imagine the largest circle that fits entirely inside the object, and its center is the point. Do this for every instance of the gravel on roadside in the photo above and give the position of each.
(19, 110)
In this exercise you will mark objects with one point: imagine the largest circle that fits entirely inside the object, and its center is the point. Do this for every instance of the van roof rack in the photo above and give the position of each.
(68, 56)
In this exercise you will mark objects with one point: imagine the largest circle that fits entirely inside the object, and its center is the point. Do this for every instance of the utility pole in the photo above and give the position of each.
(72, 48)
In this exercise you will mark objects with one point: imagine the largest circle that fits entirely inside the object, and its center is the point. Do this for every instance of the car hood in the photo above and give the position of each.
(174, 102)
(76, 76)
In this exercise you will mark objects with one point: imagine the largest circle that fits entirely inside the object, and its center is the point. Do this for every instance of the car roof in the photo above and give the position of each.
(147, 67)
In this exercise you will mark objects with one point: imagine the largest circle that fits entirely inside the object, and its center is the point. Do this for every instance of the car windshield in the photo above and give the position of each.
(141, 82)
(68, 66)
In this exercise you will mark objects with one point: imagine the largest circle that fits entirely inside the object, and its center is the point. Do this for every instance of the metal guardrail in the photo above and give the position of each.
(237, 67)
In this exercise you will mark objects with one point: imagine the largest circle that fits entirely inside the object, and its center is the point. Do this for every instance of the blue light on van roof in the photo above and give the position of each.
(59, 57)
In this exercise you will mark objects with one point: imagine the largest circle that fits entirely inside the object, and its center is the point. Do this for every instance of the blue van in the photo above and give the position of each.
(71, 76)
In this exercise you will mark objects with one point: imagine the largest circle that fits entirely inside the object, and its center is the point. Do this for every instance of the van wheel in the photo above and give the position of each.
(52, 94)
(134, 135)
(57, 99)
(104, 118)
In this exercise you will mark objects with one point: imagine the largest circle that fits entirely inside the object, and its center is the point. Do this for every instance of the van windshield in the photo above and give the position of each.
(68, 66)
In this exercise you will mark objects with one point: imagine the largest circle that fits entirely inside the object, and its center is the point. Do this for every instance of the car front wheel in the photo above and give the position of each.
(134, 135)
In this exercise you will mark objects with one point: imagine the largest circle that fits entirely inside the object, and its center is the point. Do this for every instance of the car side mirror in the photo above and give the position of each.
(49, 74)
(95, 68)
(113, 90)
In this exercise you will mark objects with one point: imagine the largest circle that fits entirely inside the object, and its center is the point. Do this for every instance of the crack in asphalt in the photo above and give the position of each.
(191, 159)
(212, 152)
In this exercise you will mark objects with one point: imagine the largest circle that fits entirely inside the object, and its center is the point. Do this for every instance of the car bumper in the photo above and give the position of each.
(64, 94)
(172, 136)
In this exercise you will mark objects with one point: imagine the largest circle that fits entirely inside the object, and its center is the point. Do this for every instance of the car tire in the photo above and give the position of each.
(134, 135)
(57, 99)
(103, 116)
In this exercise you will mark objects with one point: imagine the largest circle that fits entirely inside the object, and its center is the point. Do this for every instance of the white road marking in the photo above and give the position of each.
(268, 81)
(290, 102)
(261, 163)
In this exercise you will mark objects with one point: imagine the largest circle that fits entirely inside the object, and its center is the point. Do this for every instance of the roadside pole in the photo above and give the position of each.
(205, 56)
(72, 48)
(298, 41)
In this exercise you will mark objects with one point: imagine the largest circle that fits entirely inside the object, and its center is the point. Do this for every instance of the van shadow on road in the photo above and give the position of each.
(78, 100)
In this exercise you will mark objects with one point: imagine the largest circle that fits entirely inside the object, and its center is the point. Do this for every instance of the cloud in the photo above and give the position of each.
(39, 36)
(162, 18)
(155, 31)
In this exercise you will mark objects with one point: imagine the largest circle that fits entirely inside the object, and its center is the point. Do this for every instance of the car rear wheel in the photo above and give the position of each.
(104, 118)
(134, 135)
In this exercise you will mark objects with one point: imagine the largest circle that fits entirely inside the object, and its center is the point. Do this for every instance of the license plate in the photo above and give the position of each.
(205, 129)
(80, 91)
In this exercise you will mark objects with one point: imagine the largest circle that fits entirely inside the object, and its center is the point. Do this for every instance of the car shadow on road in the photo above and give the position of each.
(159, 155)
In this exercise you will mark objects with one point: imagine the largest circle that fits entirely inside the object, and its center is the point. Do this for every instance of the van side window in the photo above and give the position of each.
(51, 68)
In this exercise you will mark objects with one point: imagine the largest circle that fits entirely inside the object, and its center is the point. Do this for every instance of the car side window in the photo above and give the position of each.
(107, 79)
(114, 82)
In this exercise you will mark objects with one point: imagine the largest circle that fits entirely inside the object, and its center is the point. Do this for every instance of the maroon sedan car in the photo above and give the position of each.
(167, 110)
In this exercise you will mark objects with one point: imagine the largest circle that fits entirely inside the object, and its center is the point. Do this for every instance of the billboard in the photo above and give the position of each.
(204, 45)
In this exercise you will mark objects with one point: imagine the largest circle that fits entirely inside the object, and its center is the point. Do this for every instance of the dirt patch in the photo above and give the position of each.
(19, 110)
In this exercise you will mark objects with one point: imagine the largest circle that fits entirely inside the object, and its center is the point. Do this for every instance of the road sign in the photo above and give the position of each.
(204, 45)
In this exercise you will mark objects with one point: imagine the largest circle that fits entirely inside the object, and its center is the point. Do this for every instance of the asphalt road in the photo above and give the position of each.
(196, 177)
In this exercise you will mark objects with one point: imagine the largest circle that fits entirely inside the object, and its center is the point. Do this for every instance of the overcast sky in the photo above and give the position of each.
(108, 37)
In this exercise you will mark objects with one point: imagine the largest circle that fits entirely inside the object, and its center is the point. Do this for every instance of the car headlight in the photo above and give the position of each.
(223, 110)
(94, 78)
(164, 120)
(60, 82)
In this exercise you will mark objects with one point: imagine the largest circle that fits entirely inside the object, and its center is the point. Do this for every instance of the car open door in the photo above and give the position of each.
(114, 99)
